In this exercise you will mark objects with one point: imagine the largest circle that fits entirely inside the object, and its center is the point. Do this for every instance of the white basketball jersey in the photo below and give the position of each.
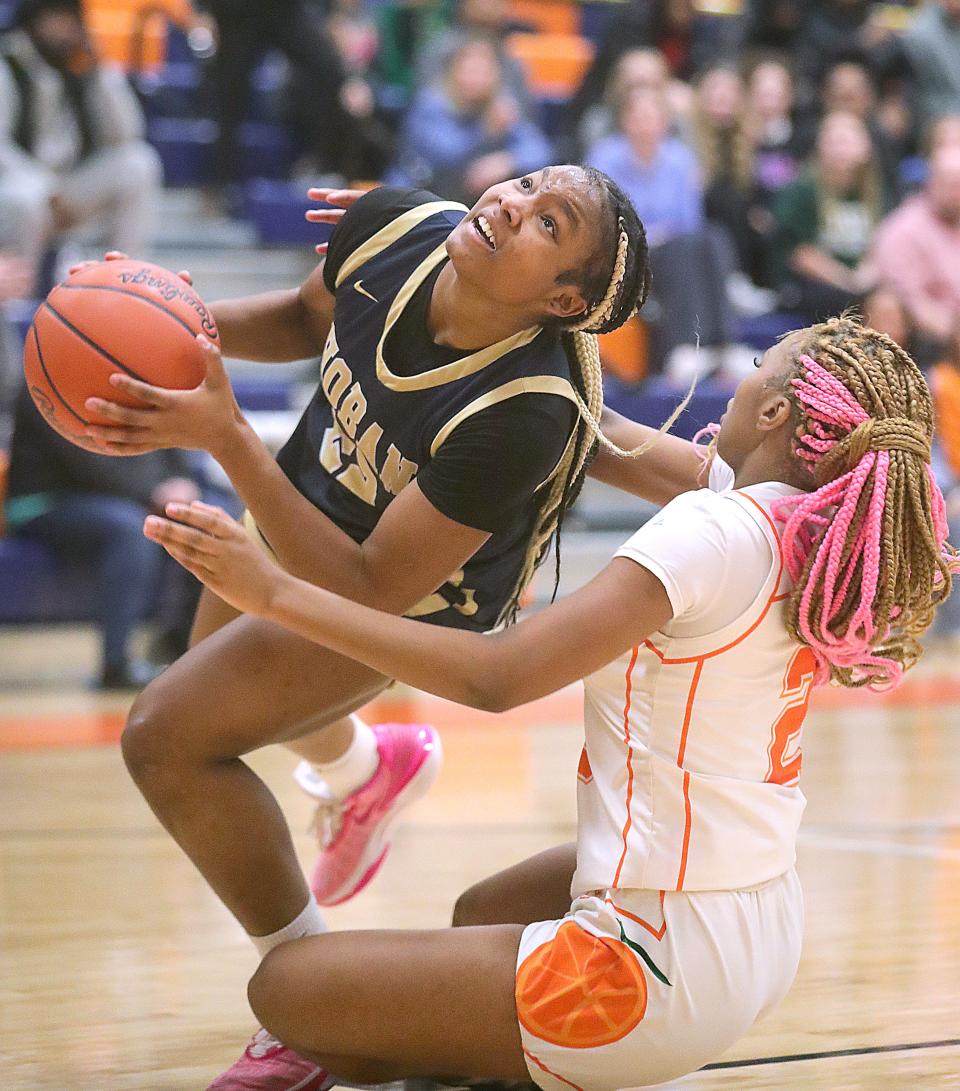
(689, 775)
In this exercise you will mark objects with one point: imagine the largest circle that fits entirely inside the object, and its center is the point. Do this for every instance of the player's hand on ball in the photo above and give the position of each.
(341, 198)
(204, 419)
(218, 551)
(119, 255)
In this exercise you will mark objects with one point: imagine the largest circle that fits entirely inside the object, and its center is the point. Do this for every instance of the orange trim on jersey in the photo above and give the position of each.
(626, 739)
(657, 933)
(688, 712)
(686, 830)
(743, 636)
(543, 1068)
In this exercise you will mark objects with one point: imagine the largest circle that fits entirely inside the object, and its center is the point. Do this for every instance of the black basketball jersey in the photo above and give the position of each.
(372, 427)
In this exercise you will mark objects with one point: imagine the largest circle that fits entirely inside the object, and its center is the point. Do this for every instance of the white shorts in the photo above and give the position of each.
(637, 987)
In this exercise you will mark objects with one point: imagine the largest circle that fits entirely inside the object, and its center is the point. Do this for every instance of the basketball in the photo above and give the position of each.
(112, 316)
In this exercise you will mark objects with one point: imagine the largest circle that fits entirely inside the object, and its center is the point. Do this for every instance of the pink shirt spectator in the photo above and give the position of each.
(917, 253)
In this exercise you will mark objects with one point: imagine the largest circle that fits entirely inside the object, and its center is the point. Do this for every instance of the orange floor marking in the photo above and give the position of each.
(69, 730)
(46, 731)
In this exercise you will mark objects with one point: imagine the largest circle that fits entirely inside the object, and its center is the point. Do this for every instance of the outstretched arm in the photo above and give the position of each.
(619, 608)
(668, 469)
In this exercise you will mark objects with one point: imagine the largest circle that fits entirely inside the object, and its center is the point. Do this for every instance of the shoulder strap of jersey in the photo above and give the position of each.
(531, 384)
(389, 234)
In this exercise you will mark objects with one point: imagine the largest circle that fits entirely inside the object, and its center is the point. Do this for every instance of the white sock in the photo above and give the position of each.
(355, 766)
(309, 922)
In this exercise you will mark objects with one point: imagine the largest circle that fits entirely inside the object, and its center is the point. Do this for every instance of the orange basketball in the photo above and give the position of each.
(579, 991)
(113, 316)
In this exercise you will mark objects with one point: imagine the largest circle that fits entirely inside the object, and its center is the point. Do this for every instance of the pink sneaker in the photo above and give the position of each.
(353, 832)
(268, 1065)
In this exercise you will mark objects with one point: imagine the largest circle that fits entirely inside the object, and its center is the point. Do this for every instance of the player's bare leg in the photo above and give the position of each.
(248, 684)
(361, 777)
(536, 889)
(381, 1006)
(326, 745)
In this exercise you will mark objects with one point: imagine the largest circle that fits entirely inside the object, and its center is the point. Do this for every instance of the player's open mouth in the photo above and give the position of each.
(482, 227)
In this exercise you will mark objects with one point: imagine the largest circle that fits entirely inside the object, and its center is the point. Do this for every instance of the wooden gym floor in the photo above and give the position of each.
(120, 972)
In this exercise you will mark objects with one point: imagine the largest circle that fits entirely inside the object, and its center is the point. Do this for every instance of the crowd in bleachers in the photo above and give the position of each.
(789, 158)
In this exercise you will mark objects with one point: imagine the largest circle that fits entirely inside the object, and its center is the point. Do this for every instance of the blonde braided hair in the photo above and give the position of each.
(867, 548)
(624, 292)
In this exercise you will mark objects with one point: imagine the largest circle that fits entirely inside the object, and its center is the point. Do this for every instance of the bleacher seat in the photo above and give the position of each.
(554, 64)
(762, 331)
(653, 403)
(172, 91)
(185, 146)
(595, 16)
(35, 587)
(276, 210)
(547, 16)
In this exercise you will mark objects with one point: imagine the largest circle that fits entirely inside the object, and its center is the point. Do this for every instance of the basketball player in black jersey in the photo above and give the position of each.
(458, 405)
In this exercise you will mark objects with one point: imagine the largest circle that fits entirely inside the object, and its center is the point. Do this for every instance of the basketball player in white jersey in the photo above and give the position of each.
(699, 645)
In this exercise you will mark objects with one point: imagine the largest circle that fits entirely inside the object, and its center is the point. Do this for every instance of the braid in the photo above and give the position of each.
(867, 549)
(621, 294)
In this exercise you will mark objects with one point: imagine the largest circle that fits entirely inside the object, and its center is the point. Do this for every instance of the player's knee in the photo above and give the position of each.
(268, 991)
(471, 908)
(145, 741)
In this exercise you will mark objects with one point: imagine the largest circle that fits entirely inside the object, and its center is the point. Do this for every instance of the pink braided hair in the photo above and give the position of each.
(852, 573)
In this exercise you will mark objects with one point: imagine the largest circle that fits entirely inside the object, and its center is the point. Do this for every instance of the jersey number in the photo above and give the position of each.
(362, 475)
(783, 753)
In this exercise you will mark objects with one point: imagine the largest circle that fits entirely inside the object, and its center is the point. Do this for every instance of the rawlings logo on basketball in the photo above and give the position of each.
(170, 290)
(112, 316)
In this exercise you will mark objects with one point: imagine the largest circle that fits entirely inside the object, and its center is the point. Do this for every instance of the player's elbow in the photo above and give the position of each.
(493, 687)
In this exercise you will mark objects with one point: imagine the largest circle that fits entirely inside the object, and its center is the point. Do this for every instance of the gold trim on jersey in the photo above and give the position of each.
(458, 369)
(389, 234)
(532, 384)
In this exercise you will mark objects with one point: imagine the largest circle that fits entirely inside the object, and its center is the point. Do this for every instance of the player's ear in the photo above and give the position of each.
(565, 302)
(776, 410)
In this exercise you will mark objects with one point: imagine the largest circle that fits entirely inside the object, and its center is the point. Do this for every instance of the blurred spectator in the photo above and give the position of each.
(644, 69)
(71, 138)
(14, 284)
(883, 310)
(944, 133)
(725, 150)
(405, 26)
(932, 47)
(776, 141)
(773, 24)
(825, 220)
(658, 171)
(945, 387)
(777, 152)
(89, 508)
(688, 38)
(245, 30)
(827, 30)
(691, 266)
(465, 132)
(368, 141)
(916, 252)
(850, 87)
(469, 19)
